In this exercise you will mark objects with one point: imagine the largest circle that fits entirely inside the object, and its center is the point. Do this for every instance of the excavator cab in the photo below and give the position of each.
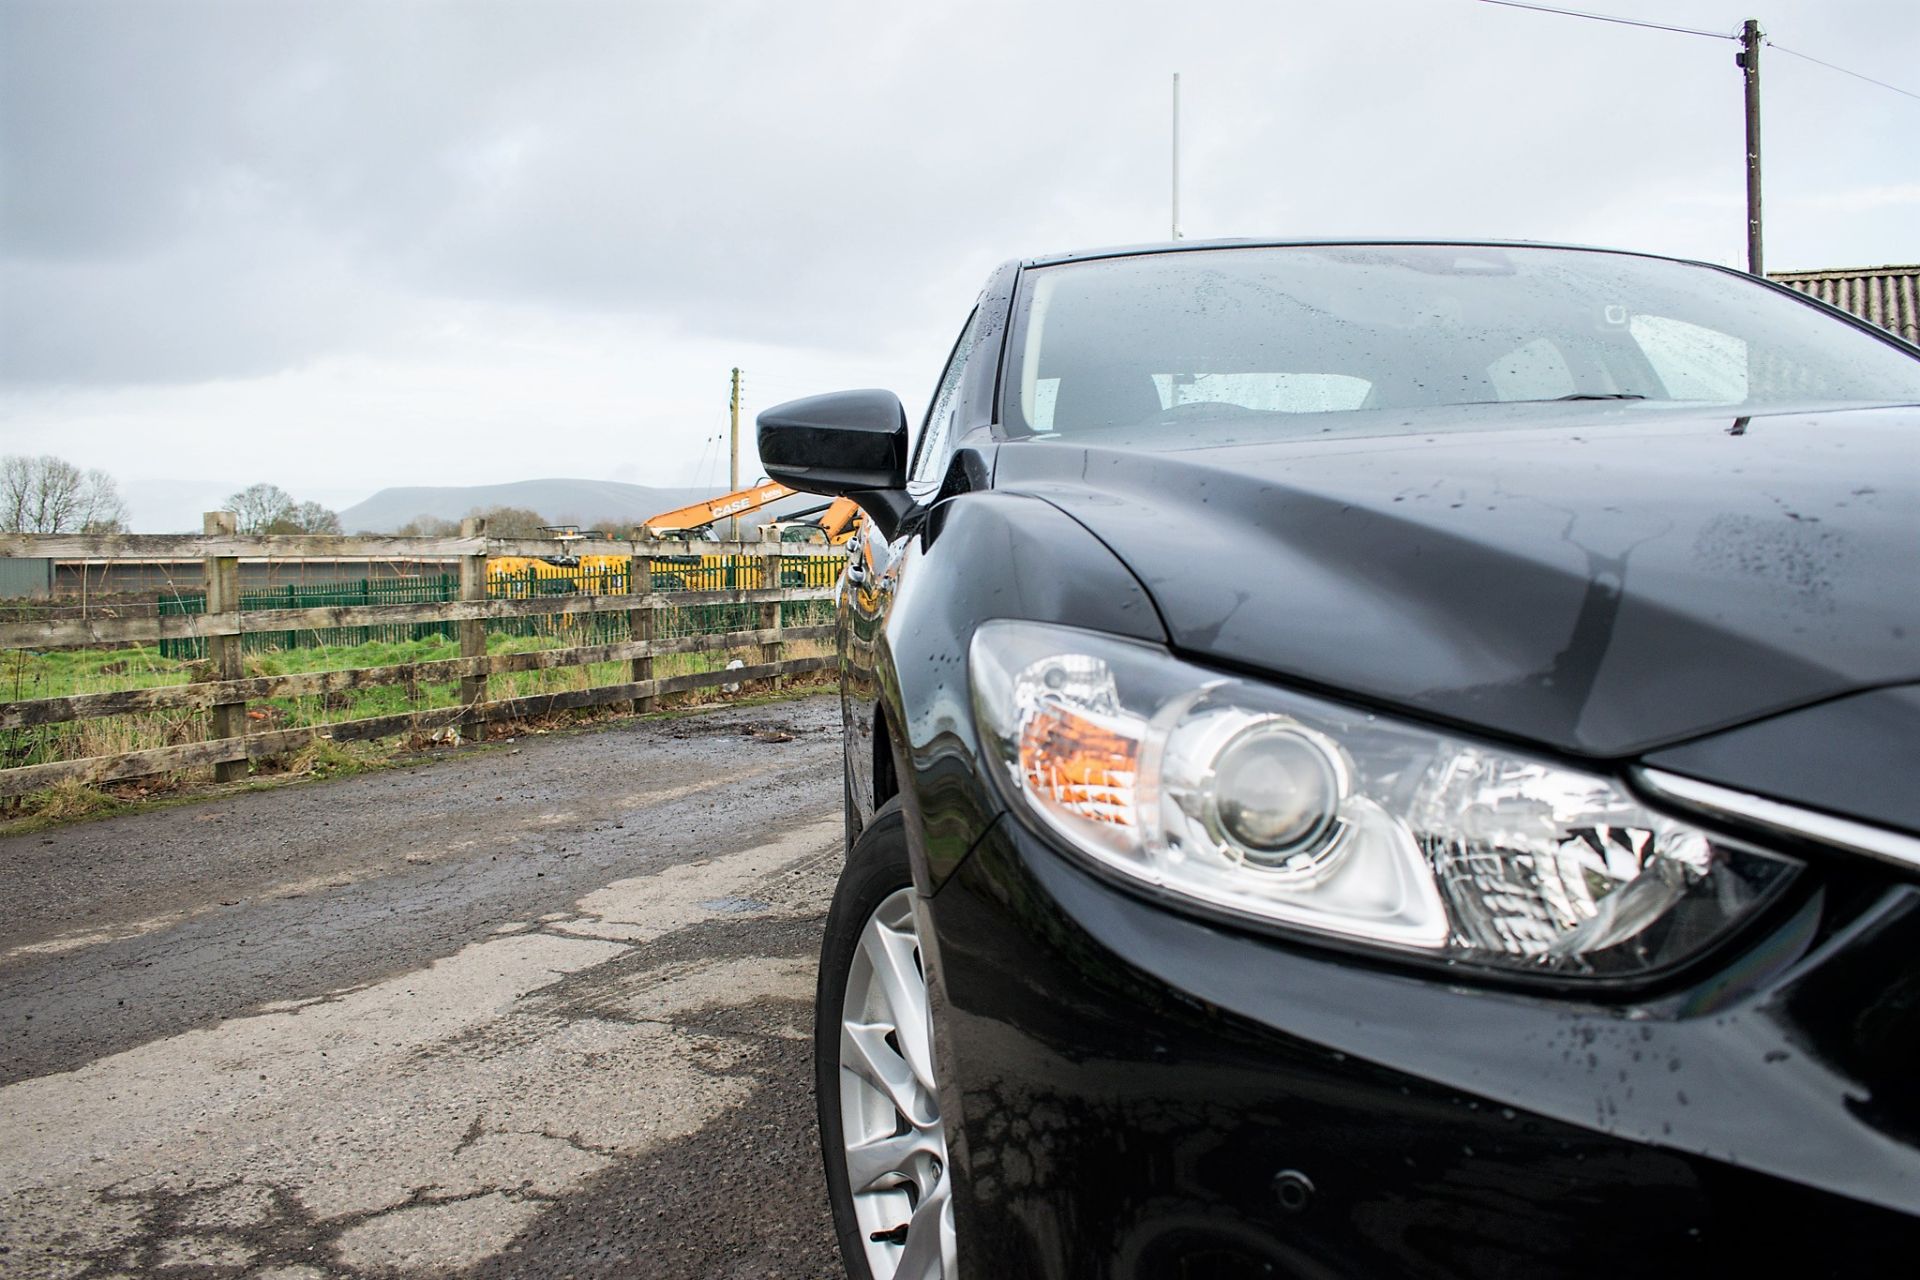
(566, 535)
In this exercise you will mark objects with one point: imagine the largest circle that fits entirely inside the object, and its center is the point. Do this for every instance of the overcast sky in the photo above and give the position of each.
(339, 246)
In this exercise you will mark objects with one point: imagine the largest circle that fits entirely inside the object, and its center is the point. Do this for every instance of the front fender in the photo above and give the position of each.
(982, 556)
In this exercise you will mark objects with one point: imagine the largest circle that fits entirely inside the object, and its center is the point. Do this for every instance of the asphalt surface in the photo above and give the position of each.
(537, 1010)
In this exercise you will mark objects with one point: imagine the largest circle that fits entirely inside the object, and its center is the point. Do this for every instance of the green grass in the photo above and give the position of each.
(25, 675)
(72, 802)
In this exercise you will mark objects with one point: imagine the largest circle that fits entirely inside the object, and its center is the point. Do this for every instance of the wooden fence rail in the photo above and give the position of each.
(69, 633)
(227, 691)
(301, 546)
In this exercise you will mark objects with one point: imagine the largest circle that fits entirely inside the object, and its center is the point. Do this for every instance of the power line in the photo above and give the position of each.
(1750, 38)
(1604, 17)
(1695, 31)
(1807, 57)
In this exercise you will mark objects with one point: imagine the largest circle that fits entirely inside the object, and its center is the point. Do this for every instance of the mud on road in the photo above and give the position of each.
(532, 1011)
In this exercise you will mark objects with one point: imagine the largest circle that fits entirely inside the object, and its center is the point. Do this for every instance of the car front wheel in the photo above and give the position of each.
(880, 1126)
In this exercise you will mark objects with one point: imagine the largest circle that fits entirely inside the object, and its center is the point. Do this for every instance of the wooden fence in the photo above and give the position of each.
(224, 625)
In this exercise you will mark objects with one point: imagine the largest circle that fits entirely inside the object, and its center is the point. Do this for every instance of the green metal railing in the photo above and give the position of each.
(411, 590)
(667, 576)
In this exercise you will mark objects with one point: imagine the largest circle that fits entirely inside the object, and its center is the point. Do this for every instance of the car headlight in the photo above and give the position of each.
(1286, 809)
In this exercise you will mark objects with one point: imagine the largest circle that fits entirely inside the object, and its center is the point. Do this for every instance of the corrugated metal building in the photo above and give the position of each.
(25, 578)
(1888, 296)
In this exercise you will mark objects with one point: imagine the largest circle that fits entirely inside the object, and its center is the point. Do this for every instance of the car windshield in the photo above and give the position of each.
(1245, 343)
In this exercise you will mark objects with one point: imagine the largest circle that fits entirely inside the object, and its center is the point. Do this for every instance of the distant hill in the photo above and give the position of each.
(561, 501)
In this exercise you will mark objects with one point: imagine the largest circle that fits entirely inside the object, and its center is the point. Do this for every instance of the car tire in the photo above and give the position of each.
(881, 1135)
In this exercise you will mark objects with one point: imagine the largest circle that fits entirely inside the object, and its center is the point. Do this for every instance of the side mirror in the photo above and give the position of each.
(850, 443)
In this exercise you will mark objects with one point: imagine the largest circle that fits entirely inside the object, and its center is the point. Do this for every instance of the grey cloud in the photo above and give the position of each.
(771, 173)
(202, 190)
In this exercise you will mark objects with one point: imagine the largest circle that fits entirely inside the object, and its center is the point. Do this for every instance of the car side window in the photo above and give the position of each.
(936, 434)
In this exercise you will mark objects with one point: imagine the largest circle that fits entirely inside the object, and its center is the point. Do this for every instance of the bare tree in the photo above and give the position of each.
(426, 526)
(311, 517)
(50, 495)
(258, 507)
(267, 508)
(511, 522)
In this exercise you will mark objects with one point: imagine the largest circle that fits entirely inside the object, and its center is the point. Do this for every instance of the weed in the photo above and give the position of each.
(67, 801)
(325, 758)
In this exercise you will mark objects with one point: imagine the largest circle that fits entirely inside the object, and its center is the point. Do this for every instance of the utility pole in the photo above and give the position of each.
(1748, 60)
(733, 469)
(1176, 155)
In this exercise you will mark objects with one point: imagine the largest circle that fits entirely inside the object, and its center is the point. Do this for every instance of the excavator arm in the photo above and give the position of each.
(701, 514)
(840, 520)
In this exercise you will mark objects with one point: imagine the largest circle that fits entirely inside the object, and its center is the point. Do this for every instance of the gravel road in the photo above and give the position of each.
(536, 1010)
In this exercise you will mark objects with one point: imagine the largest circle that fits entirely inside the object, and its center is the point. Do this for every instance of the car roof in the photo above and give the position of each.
(1258, 242)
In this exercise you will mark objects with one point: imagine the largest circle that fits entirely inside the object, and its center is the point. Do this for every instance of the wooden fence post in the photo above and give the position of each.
(770, 612)
(225, 652)
(640, 621)
(224, 689)
(473, 631)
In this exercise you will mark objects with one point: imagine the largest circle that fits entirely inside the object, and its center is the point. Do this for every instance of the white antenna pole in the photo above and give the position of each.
(1176, 155)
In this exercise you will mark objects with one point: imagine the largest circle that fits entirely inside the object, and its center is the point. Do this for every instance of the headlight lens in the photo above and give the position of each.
(1271, 805)
(1277, 792)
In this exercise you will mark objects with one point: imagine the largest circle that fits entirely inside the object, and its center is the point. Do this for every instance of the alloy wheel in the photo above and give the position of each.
(895, 1143)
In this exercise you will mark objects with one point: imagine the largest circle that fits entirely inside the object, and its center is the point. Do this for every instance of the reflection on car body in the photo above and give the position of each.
(1378, 759)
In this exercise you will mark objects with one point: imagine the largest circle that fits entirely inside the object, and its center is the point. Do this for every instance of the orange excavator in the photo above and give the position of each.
(837, 520)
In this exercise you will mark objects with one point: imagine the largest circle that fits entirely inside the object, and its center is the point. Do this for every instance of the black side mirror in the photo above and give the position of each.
(850, 443)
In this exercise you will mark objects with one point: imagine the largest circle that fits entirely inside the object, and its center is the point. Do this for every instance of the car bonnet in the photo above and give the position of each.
(1601, 585)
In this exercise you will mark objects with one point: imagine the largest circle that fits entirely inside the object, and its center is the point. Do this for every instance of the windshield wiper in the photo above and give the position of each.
(1578, 395)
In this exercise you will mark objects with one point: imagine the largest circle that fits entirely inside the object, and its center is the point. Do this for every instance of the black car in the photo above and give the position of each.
(1374, 759)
